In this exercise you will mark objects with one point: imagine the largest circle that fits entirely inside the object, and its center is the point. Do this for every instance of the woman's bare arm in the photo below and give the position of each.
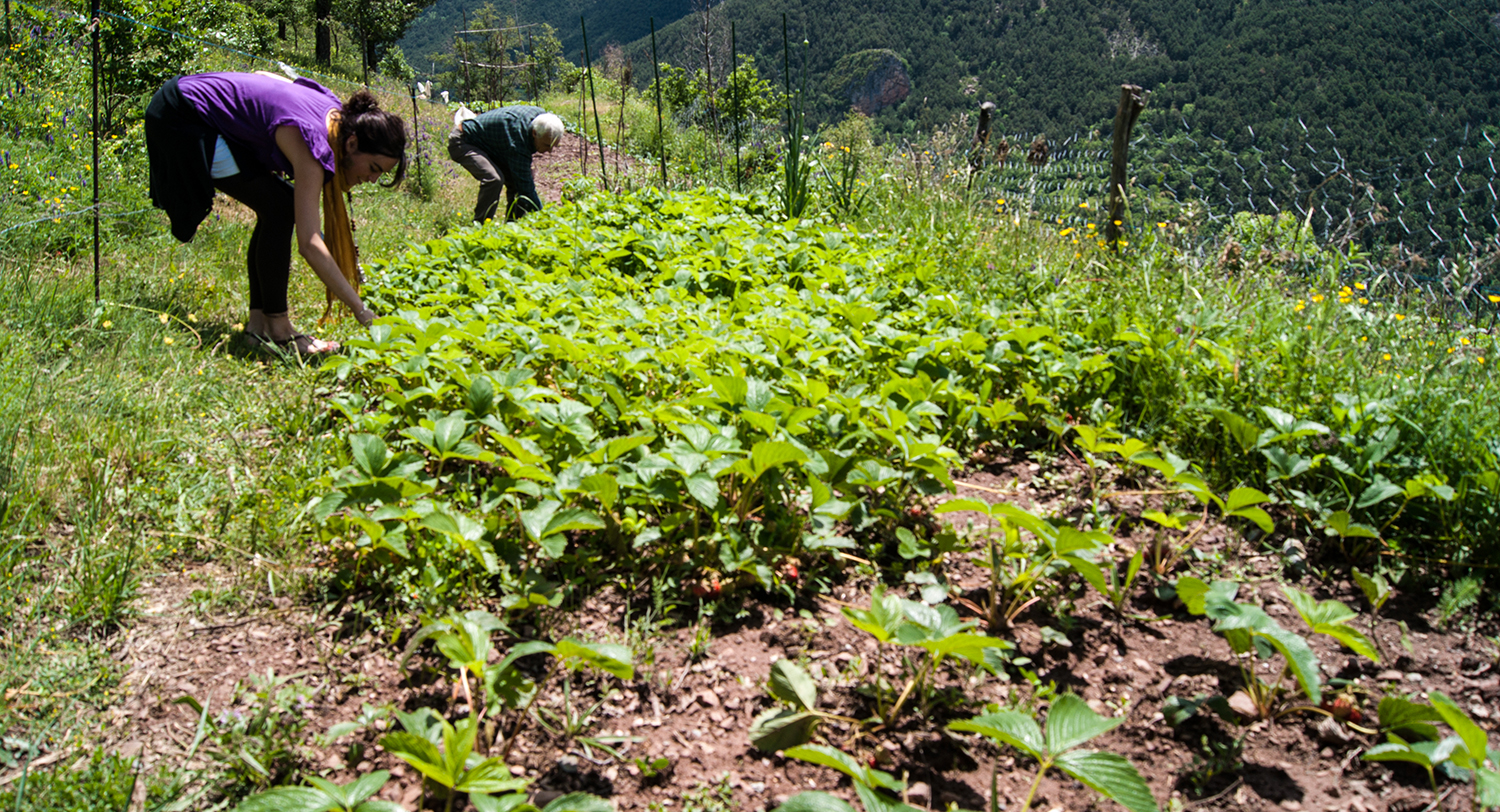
(306, 196)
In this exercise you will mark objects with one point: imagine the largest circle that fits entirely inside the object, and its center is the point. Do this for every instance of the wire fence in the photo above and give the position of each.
(1426, 224)
(1429, 224)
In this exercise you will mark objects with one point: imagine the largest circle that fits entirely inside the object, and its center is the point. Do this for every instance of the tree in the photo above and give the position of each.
(377, 23)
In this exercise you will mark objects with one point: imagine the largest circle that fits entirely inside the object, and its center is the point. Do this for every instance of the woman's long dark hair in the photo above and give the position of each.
(380, 132)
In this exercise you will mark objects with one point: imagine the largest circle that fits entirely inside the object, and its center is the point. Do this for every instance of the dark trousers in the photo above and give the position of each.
(269, 257)
(489, 173)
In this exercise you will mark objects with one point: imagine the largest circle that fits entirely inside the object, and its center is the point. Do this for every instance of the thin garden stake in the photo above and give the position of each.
(734, 101)
(661, 145)
(786, 68)
(583, 127)
(94, 24)
(416, 132)
(598, 131)
(7, 24)
(593, 98)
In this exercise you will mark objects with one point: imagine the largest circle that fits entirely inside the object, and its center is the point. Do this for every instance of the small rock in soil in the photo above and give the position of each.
(1388, 675)
(1329, 731)
(568, 764)
(919, 794)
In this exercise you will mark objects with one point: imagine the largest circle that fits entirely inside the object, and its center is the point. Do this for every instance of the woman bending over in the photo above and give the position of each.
(244, 134)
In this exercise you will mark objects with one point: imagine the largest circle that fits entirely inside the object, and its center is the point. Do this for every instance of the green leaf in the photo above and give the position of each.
(458, 743)
(971, 647)
(815, 802)
(1243, 431)
(1487, 787)
(1475, 740)
(1398, 714)
(288, 799)
(1253, 619)
(1378, 491)
(782, 729)
(768, 454)
(579, 802)
(790, 683)
(419, 753)
(1072, 722)
(516, 802)
(1317, 613)
(875, 801)
(1344, 525)
(883, 617)
(1377, 589)
(490, 776)
(1243, 497)
(1194, 593)
(334, 792)
(954, 505)
(481, 396)
(370, 454)
(1109, 775)
(1261, 518)
(365, 786)
(535, 521)
(1352, 639)
(611, 658)
(1009, 727)
(1177, 710)
(844, 763)
(379, 806)
(704, 489)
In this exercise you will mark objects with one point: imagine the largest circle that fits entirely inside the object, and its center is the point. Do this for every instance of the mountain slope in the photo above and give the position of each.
(608, 22)
(1389, 75)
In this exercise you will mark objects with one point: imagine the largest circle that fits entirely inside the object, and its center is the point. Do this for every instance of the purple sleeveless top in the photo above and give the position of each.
(246, 109)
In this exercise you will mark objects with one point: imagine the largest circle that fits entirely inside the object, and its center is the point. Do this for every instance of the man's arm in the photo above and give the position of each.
(527, 199)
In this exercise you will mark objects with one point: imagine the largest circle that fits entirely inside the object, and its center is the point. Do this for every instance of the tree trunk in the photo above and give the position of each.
(322, 48)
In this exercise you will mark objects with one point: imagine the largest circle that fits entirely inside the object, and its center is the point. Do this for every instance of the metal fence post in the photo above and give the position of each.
(94, 24)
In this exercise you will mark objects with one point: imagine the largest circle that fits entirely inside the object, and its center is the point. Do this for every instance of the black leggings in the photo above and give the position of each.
(269, 258)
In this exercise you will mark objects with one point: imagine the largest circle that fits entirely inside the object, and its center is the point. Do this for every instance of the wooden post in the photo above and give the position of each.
(1132, 102)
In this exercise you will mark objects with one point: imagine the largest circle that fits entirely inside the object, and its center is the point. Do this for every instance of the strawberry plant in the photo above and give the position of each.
(1020, 566)
(325, 796)
(783, 728)
(873, 787)
(1467, 748)
(937, 629)
(1255, 636)
(1070, 723)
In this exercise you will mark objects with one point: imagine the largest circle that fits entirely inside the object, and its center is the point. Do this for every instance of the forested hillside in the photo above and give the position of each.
(432, 32)
(1392, 74)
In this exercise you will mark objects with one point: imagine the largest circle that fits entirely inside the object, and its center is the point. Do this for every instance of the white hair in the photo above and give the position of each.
(547, 126)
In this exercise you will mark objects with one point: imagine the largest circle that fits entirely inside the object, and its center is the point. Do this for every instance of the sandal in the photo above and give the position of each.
(301, 343)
